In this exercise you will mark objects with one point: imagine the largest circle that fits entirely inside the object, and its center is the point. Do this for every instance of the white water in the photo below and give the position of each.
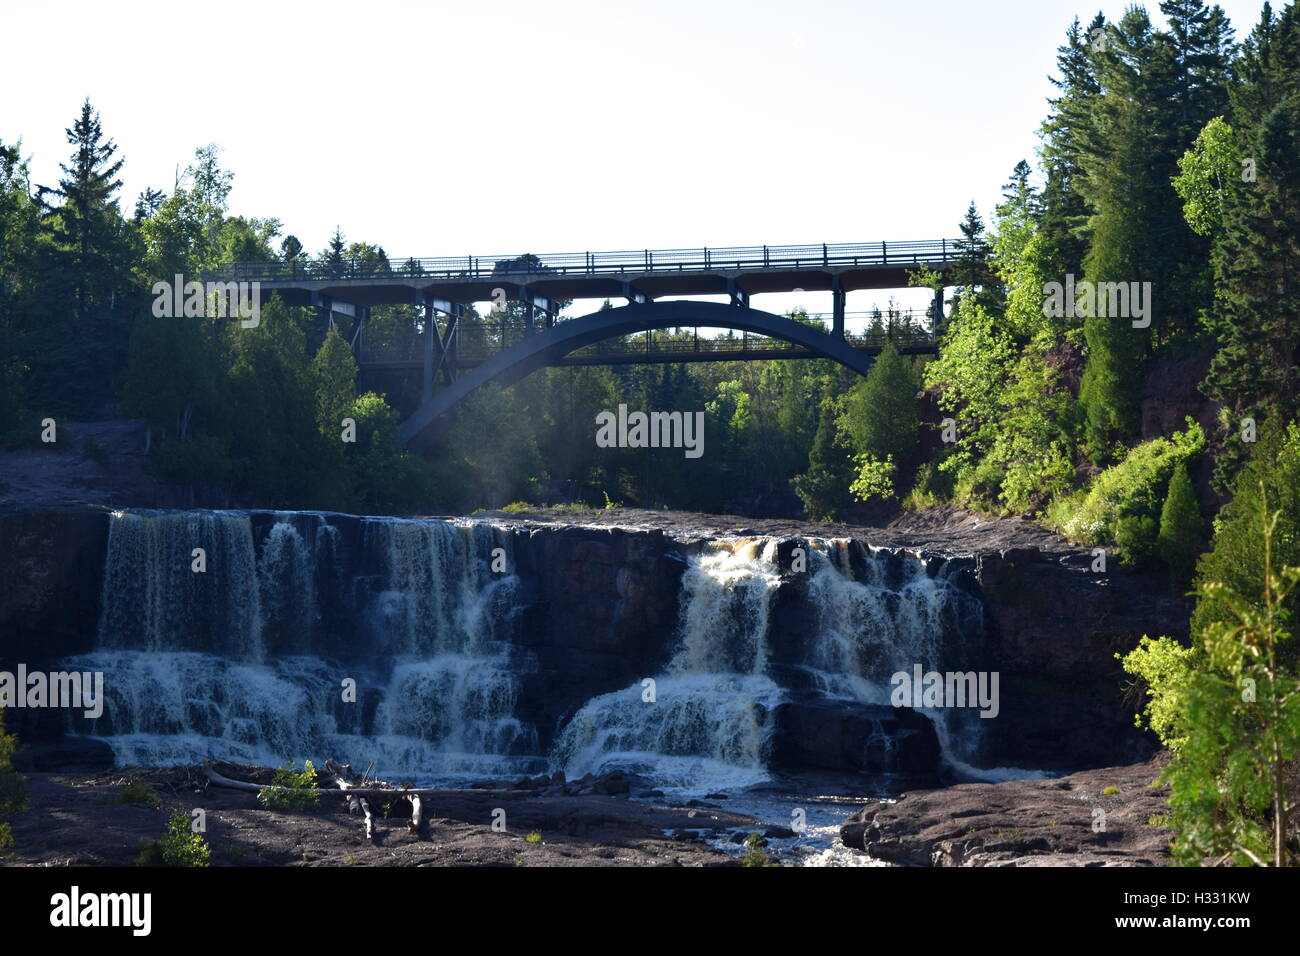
(708, 727)
(189, 675)
(232, 662)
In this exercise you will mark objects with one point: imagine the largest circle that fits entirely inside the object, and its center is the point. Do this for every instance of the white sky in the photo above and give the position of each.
(505, 127)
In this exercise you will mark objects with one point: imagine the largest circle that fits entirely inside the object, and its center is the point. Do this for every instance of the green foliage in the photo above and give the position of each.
(335, 372)
(1134, 487)
(518, 507)
(290, 789)
(1166, 668)
(756, 852)
(1135, 535)
(1180, 528)
(879, 416)
(875, 477)
(1229, 793)
(534, 838)
(824, 487)
(13, 786)
(1206, 172)
(1236, 559)
(180, 846)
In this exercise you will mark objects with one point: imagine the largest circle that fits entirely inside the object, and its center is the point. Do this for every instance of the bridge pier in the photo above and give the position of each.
(837, 307)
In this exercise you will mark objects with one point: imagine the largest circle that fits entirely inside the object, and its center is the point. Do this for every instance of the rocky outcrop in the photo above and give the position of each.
(1108, 817)
(51, 573)
(1055, 628)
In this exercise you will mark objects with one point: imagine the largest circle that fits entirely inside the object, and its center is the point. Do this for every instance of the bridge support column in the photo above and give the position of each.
(739, 297)
(837, 307)
(430, 337)
(937, 308)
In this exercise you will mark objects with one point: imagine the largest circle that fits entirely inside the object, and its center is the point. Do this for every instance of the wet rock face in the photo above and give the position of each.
(843, 735)
(51, 573)
(1054, 629)
(599, 610)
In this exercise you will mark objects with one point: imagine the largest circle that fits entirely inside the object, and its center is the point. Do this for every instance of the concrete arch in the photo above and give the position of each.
(546, 347)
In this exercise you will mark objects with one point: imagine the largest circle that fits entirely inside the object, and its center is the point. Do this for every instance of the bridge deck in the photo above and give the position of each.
(650, 272)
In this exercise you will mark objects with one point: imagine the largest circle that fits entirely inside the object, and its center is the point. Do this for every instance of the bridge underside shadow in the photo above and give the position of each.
(536, 351)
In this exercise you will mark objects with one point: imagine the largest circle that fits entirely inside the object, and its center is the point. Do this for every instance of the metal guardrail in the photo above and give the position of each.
(702, 259)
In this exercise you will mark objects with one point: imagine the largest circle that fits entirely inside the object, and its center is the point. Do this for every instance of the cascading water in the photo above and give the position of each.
(898, 617)
(225, 661)
(707, 724)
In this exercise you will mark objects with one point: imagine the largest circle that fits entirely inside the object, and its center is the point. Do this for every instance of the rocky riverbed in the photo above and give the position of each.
(1112, 816)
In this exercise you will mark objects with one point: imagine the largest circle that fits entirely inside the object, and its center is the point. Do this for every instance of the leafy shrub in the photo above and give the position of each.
(291, 789)
(1135, 486)
(180, 846)
(756, 852)
(1165, 667)
(517, 507)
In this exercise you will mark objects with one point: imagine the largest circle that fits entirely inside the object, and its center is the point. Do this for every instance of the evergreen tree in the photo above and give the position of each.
(1256, 315)
(1180, 529)
(335, 371)
(824, 487)
(971, 273)
(87, 227)
(880, 418)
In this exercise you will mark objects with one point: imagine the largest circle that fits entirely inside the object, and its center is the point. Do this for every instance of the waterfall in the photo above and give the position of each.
(708, 725)
(227, 661)
(899, 616)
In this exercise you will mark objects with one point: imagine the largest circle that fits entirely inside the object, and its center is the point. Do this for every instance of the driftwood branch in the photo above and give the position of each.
(346, 780)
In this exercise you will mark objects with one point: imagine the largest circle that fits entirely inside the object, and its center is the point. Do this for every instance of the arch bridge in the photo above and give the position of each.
(465, 355)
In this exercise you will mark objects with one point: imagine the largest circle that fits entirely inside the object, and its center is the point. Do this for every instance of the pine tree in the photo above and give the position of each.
(1180, 529)
(335, 371)
(87, 223)
(1256, 315)
(880, 417)
(971, 273)
(824, 487)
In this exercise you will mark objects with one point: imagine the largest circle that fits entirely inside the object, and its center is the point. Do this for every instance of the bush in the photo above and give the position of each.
(1165, 667)
(517, 507)
(290, 788)
(1136, 486)
(1136, 535)
(181, 846)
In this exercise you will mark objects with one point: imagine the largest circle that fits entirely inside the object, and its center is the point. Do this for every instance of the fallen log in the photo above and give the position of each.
(417, 814)
(346, 781)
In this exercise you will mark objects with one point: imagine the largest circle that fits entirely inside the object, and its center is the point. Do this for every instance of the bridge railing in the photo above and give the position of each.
(700, 259)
